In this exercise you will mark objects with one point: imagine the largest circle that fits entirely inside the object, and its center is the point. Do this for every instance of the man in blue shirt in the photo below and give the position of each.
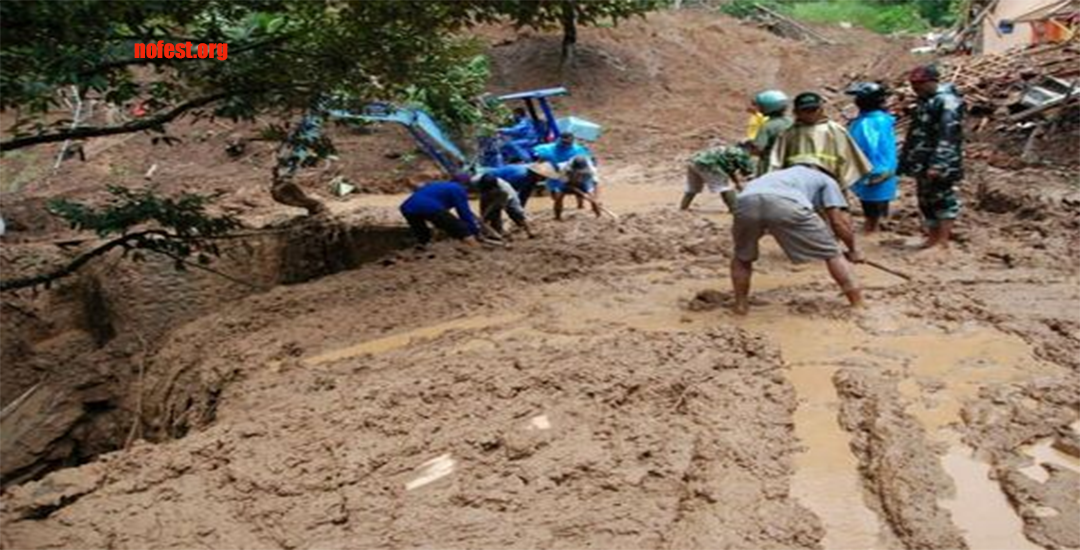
(520, 137)
(874, 132)
(561, 151)
(432, 204)
(559, 154)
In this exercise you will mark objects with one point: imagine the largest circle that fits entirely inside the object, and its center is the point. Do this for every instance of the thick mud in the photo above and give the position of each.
(588, 388)
(76, 380)
(585, 388)
(592, 438)
(900, 467)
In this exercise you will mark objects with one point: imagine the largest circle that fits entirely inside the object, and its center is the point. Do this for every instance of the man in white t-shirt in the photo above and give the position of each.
(497, 195)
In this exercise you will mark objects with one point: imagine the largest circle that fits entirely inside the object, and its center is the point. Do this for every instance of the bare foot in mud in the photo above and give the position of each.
(741, 309)
(934, 252)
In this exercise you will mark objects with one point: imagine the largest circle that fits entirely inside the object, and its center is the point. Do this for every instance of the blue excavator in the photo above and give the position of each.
(491, 152)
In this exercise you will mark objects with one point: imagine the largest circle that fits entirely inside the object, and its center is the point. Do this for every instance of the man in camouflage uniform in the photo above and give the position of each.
(718, 168)
(933, 153)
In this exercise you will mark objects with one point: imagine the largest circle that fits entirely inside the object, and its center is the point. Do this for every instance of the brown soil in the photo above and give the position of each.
(585, 389)
(636, 455)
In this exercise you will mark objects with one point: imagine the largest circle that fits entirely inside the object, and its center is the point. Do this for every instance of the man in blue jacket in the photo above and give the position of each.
(521, 136)
(432, 204)
(559, 154)
(875, 134)
(561, 151)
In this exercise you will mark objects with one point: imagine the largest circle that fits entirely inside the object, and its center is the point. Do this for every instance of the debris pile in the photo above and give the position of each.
(1020, 95)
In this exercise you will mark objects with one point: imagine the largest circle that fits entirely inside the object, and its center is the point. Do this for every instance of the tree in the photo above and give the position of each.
(283, 56)
(569, 14)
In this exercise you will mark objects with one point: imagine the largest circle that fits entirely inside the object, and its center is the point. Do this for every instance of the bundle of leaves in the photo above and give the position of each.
(140, 221)
(178, 226)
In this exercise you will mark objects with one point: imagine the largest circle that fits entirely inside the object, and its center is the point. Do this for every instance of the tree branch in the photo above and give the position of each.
(133, 126)
(46, 278)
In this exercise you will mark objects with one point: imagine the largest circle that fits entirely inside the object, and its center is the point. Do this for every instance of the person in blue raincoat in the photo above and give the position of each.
(559, 154)
(520, 137)
(874, 132)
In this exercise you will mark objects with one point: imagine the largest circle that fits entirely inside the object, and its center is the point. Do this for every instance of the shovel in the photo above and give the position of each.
(888, 269)
(598, 206)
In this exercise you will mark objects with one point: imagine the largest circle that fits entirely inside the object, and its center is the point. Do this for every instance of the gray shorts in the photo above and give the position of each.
(697, 179)
(798, 230)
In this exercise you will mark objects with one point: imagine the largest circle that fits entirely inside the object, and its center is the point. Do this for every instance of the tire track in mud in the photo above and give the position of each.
(899, 465)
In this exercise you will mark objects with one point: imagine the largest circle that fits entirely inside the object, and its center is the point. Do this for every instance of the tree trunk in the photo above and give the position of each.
(282, 188)
(569, 25)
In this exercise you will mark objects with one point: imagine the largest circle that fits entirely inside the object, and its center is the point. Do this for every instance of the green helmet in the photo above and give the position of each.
(771, 101)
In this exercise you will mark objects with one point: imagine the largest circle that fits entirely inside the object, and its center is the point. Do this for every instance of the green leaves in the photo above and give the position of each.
(127, 209)
(547, 14)
(178, 227)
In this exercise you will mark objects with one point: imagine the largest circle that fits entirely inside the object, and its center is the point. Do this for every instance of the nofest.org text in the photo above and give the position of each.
(181, 50)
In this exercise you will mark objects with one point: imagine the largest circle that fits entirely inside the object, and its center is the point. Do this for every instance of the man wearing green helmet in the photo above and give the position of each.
(773, 104)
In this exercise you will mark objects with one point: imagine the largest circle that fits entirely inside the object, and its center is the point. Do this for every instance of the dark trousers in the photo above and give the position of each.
(444, 220)
(524, 191)
(875, 209)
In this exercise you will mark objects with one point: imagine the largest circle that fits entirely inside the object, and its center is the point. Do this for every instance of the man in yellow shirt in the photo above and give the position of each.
(815, 138)
(755, 122)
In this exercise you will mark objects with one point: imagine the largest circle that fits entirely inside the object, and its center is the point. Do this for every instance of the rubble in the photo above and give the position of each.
(1020, 96)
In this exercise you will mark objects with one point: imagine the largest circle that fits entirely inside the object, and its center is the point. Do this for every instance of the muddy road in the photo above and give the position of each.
(590, 389)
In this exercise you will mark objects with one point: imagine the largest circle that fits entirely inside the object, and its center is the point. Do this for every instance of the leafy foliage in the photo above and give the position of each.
(452, 99)
(282, 56)
(569, 14)
(179, 227)
(140, 221)
(549, 14)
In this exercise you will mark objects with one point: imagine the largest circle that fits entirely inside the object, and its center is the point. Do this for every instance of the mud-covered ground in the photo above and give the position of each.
(588, 388)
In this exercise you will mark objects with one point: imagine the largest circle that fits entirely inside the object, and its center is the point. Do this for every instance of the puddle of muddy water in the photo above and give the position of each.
(1043, 452)
(826, 474)
(979, 508)
(958, 365)
(943, 369)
